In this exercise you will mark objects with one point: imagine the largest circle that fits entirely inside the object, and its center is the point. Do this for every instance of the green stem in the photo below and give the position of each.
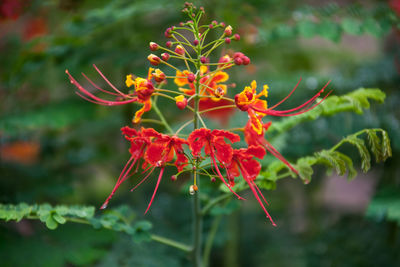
(197, 215)
(214, 202)
(161, 116)
(171, 243)
(210, 240)
(156, 238)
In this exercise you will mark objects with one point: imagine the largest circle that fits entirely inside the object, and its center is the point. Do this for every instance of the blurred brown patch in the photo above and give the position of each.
(20, 152)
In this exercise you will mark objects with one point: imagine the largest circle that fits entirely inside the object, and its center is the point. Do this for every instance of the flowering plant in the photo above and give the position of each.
(201, 89)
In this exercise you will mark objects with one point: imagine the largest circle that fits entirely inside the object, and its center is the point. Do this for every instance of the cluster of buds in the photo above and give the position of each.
(200, 88)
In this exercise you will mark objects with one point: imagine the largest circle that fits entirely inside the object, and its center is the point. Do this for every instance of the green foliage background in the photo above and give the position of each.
(81, 152)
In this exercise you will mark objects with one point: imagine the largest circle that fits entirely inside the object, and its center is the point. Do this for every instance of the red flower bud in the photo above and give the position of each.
(238, 54)
(214, 22)
(236, 37)
(246, 60)
(167, 32)
(153, 46)
(238, 61)
(165, 56)
(228, 30)
(227, 40)
(222, 24)
(173, 178)
(210, 26)
(203, 59)
(180, 50)
(181, 102)
(191, 77)
(181, 24)
(158, 75)
(196, 42)
(154, 60)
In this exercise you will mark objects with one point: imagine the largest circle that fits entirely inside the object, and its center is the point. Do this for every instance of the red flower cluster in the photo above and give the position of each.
(156, 149)
(203, 90)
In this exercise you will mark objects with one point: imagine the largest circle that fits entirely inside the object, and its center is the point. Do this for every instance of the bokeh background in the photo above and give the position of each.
(57, 148)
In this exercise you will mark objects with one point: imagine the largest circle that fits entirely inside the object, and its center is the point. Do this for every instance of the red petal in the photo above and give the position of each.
(230, 136)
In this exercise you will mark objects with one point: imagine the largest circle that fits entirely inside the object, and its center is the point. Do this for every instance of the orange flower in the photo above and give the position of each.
(144, 89)
(248, 101)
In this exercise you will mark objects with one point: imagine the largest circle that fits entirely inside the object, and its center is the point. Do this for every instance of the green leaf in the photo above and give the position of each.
(303, 166)
(307, 28)
(58, 218)
(362, 149)
(372, 27)
(386, 148)
(330, 30)
(375, 144)
(351, 26)
(51, 223)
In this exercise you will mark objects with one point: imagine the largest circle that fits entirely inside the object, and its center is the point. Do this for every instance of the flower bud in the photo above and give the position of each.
(246, 60)
(196, 42)
(191, 77)
(168, 44)
(167, 32)
(236, 37)
(238, 54)
(174, 178)
(154, 60)
(222, 24)
(181, 24)
(214, 22)
(219, 92)
(158, 75)
(227, 40)
(181, 102)
(228, 30)
(165, 56)
(193, 189)
(238, 61)
(153, 46)
(203, 59)
(213, 179)
(180, 50)
(210, 26)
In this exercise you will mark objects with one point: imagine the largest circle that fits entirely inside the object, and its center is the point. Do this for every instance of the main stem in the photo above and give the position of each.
(197, 214)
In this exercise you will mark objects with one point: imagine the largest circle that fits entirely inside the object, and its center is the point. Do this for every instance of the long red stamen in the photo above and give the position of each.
(120, 181)
(221, 177)
(259, 191)
(109, 83)
(255, 193)
(155, 189)
(95, 98)
(144, 179)
(98, 87)
(301, 111)
(278, 155)
(283, 112)
(283, 100)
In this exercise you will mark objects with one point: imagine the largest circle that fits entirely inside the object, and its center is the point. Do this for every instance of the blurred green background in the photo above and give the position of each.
(57, 148)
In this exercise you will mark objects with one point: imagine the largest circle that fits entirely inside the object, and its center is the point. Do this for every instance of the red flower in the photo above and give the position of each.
(137, 149)
(243, 162)
(214, 146)
(156, 149)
